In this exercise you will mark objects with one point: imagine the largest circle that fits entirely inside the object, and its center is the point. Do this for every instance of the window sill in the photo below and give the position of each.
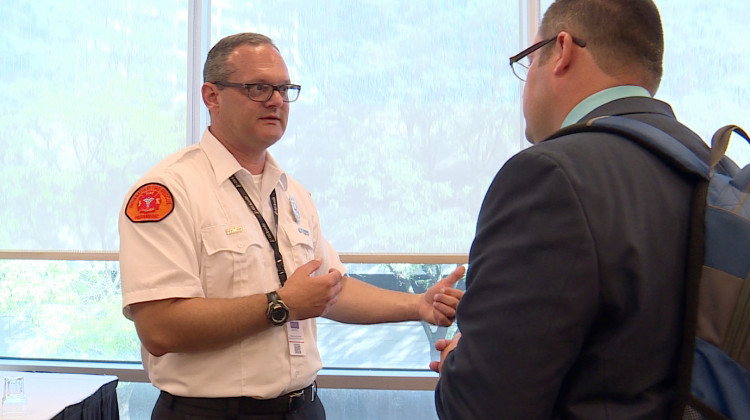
(416, 380)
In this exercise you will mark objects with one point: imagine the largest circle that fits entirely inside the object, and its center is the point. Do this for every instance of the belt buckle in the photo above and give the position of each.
(292, 396)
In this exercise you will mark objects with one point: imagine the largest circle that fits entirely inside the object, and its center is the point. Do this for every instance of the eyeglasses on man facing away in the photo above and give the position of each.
(521, 69)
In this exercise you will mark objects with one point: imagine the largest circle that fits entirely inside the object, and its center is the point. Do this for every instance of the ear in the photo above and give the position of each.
(566, 53)
(210, 94)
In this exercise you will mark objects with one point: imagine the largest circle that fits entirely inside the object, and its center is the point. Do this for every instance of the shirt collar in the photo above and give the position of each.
(225, 165)
(600, 98)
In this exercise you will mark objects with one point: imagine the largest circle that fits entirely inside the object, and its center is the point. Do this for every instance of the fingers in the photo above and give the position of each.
(445, 347)
(336, 285)
(449, 297)
(443, 320)
(450, 294)
(309, 267)
(444, 315)
(441, 344)
(308, 295)
(337, 281)
(444, 306)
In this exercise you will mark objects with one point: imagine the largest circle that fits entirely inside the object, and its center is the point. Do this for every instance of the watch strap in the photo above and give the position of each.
(275, 304)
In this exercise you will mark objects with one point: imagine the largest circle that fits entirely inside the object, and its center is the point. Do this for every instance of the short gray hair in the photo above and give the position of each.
(216, 68)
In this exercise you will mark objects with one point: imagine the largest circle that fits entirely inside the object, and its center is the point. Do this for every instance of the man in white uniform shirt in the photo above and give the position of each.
(224, 267)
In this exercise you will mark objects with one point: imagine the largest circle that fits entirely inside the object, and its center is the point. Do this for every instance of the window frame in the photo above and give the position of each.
(336, 378)
(199, 30)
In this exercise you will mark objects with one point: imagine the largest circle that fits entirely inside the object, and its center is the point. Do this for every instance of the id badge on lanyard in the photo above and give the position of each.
(295, 329)
(296, 336)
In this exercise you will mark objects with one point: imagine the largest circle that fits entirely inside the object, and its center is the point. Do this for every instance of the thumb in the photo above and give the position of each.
(453, 277)
(312, 265)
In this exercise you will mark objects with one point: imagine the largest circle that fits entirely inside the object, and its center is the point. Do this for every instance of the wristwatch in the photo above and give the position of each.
(278, 312)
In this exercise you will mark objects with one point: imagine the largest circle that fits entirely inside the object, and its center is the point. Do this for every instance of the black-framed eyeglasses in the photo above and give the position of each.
(520, 69)
(261, 92)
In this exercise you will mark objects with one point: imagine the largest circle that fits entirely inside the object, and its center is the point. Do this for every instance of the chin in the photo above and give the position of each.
(538, 134)
(272, 136)
(530, 137)
(271, 141)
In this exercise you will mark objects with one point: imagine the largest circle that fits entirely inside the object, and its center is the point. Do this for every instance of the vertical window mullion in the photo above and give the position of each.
(199, 29)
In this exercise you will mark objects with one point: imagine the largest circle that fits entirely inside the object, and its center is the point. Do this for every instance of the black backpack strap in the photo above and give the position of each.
(739, 325)
(720, 142)
(696, 257)
(684, 160)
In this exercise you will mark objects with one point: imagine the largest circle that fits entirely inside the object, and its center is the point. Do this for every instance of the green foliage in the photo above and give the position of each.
(407, 111)
(64, 310)
(405, 116)
(93, 101)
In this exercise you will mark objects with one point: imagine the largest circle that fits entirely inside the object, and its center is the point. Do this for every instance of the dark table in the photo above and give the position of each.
(64, 396)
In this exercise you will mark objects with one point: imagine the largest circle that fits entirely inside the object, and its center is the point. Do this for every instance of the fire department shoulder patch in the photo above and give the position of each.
(149, 203)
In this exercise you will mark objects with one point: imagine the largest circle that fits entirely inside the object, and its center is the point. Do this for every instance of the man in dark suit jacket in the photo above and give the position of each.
(573, 307)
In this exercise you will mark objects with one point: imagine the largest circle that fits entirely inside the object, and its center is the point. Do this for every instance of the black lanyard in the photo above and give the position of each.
(264, 225)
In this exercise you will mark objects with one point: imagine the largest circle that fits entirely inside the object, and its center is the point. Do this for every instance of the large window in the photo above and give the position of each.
(407, 111)
(94, 95)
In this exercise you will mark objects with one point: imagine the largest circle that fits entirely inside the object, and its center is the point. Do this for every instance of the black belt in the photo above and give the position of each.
(246, 405)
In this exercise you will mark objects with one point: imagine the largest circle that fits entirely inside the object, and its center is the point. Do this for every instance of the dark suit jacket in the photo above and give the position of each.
(573, 307)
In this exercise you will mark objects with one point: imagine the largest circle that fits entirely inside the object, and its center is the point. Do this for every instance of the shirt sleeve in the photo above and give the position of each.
(158, 259)
(531, 295)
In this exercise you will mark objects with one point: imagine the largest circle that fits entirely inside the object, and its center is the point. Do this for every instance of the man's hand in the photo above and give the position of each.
(310, 296)
(444, 346)
(439, 302)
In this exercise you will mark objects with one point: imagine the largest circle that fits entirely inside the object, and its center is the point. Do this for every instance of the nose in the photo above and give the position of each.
(275, 99)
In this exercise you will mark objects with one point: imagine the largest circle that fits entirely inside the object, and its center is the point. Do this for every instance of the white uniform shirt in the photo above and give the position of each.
(212, 246)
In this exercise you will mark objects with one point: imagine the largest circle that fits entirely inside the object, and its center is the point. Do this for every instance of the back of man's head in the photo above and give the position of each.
(624, 37)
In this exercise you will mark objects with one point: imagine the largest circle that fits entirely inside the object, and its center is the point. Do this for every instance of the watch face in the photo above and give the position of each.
(279, 314)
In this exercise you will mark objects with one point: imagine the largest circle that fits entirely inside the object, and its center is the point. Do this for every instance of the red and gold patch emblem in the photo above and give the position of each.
(149, 203)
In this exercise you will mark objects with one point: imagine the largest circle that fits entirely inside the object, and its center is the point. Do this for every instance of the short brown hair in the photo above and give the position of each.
(623, 36)
(216, 68)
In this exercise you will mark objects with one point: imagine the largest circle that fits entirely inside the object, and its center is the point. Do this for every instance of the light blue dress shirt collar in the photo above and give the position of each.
(600, 98)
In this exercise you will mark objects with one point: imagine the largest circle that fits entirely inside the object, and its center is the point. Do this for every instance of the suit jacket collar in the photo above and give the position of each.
(654, 112)
(631, 106)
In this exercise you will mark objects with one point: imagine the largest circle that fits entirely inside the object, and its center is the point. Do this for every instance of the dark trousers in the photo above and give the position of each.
(170, 408)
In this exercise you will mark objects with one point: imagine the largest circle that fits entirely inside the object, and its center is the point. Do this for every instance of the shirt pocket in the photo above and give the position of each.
(229, 253)
(301, 243)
